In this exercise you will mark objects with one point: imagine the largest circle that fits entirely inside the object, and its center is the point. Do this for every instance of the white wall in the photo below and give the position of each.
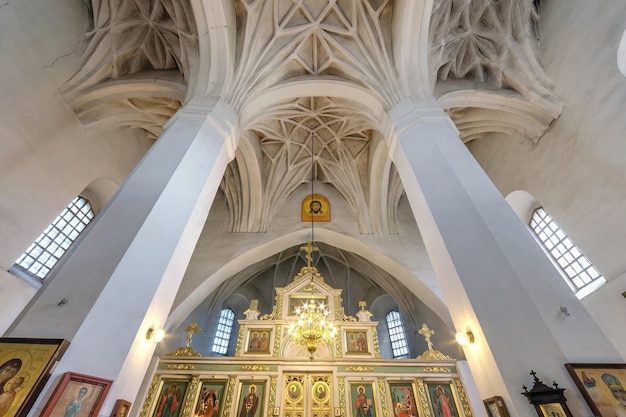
(46, 156)
(578, 169)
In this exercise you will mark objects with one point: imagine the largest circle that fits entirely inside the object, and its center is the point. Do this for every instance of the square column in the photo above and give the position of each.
(496, 280)
(121, 276)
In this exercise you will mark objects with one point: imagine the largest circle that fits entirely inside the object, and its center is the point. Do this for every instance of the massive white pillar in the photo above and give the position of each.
(121, 277)
(496, 280)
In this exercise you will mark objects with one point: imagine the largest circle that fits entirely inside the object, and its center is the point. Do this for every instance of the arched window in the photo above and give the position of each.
(48, 248)
(399, 347)
(223, 332)
(581, 275)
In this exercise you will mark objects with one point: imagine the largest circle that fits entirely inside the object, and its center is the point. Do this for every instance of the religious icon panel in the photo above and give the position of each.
(210, 399)
(251, 399)
(403, 400)
(442, 400)
(259, 340)
(362, 399)
(356, 341)
(170, 400)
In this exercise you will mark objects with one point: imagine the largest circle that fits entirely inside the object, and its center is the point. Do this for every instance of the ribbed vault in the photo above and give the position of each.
(145, 57)
(278, 40)
(308, 138)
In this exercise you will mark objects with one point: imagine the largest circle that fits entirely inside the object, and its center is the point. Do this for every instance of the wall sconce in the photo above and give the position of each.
(155, 335)
(464, 338)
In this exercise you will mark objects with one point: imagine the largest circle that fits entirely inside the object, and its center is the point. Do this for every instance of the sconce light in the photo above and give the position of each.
(464, 338)
(155, 335)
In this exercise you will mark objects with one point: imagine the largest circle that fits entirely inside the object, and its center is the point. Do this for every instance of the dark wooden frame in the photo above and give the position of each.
(574, 368)
(498, 402)
(39, 374)
(121, 408)
(50, 410)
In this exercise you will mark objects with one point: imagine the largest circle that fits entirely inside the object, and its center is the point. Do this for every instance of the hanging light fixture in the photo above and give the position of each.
(313, 325)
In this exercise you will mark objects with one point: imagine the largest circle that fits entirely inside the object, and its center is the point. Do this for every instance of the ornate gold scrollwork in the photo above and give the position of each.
(277, 339)
(459, 387)
(191, 393)
(255, 368)
(342, 396)
(382, 386)
(272, 401)
(360, 369)
(421, 392)
(181, 366)
(436, 369)
(229, 397)
(376, 344)
(150, 396)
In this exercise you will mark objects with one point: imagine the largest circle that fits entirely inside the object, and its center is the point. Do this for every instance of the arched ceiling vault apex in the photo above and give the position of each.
(384, 270)
(483, 52)
(340, 269)
(483, 58)
(279, 40)
(337, 136)
(478, 57)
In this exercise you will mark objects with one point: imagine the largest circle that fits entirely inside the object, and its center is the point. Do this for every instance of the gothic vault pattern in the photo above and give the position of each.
(141, 55)
(493, 44)
(280, 40)
(340, 144)
(134, 40)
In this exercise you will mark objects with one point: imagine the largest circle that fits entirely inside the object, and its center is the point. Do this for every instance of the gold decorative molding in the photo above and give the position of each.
(342, 396)
(423, 398)
(436, 369)
(376, 344)
(338, 349)
(255, 368)
(271, 316)
(181, 366)
(277, 339)
(191, 394)
(279, 308)
(184, 351)
(238, 350)
(433, 355)
(339, 314)
(229, 398)
(382, 386)
(150, 396)
(360, 369)
(466, 407)
(272, 401)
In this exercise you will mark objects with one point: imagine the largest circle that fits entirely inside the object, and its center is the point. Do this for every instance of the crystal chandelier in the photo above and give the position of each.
(312, 326)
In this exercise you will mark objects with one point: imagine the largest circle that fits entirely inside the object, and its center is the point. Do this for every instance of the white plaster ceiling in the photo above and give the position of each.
(477, 57)
(142, 57)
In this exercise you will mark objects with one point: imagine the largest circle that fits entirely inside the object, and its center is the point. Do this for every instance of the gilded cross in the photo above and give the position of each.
(190, 330)
(309, 249)
(427, 333)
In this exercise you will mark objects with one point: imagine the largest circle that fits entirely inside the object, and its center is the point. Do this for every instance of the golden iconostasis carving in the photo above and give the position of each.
(271, 374)
(233, 387)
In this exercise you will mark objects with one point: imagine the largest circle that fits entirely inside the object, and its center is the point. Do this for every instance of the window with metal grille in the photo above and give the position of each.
(399, 347)
(223, 332)
(48, 248)
(581, 275)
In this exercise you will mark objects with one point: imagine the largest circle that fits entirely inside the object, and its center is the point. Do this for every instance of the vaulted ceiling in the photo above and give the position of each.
(478, 58)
